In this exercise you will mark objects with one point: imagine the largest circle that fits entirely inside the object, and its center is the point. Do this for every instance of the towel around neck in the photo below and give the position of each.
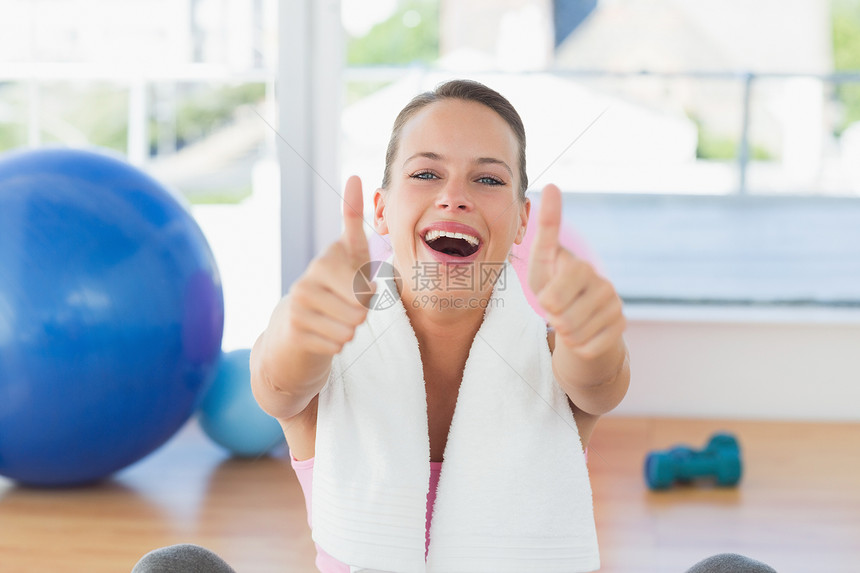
(513, 494)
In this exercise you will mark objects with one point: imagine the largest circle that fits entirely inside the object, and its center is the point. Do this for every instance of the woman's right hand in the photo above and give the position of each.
(321, 311)
(315, 319)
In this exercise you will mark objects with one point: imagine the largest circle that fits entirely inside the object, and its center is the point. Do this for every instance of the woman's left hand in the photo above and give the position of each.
(580, 304)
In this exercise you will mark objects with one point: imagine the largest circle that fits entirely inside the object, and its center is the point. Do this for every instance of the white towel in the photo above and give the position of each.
(513, 493)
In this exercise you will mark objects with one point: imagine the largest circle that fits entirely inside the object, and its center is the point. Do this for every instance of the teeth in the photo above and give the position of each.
(435, 234)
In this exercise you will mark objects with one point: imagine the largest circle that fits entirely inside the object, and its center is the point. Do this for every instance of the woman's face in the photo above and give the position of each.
(453, 198)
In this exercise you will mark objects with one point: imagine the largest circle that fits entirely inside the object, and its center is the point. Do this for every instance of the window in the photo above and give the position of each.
(180, 87)
(709, 153)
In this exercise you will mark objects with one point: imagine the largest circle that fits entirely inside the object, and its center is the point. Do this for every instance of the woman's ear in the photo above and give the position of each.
(379, 212)
(525, 208)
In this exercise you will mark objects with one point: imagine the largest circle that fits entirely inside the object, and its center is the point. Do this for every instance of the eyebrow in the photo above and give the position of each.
(479, 160)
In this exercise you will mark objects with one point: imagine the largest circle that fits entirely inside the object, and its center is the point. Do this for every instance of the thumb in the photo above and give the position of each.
(353, 235)
(545, 245)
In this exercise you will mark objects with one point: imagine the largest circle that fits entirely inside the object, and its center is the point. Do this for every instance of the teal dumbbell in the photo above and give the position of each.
(720, 460)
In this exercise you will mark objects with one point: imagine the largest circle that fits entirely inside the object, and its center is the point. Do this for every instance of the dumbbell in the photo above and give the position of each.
(720, 460)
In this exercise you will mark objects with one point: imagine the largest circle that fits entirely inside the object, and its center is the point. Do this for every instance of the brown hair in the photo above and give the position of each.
(466, 90)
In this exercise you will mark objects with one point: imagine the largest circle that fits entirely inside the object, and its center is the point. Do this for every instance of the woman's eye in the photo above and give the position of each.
(423, 175)
(490, 181)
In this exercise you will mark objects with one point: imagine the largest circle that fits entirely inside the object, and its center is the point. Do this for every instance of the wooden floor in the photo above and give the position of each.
(798, 507)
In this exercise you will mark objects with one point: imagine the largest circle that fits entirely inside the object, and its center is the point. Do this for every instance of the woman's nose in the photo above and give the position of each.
(454, 196)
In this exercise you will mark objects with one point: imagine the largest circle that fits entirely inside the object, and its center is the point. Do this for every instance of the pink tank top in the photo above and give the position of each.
(326, 563)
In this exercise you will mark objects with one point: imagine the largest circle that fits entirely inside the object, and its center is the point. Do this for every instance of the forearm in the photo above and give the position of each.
(596, 384)
(284, 382)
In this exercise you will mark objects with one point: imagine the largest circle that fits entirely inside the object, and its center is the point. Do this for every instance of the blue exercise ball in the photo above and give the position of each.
(229, 413)
(111, 315)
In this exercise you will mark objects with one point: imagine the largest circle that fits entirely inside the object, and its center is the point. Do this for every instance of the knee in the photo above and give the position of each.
(185, 558)
(730, 563)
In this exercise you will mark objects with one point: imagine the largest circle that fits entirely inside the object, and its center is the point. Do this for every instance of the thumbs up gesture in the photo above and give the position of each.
(580, 305)
(321, 311)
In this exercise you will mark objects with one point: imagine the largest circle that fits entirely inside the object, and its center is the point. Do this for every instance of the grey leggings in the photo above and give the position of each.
(196, 559)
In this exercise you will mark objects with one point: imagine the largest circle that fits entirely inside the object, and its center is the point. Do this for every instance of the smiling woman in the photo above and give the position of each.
(453, 204)
(448, 197)
(421, 480)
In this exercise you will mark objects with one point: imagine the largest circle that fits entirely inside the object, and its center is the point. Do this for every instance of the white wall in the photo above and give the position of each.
(754, 364)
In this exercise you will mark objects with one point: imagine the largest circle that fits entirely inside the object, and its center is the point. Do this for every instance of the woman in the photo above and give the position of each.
(330, 370)
(452, 202)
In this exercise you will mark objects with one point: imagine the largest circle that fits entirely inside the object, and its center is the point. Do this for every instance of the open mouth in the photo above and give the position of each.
(454, 244)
